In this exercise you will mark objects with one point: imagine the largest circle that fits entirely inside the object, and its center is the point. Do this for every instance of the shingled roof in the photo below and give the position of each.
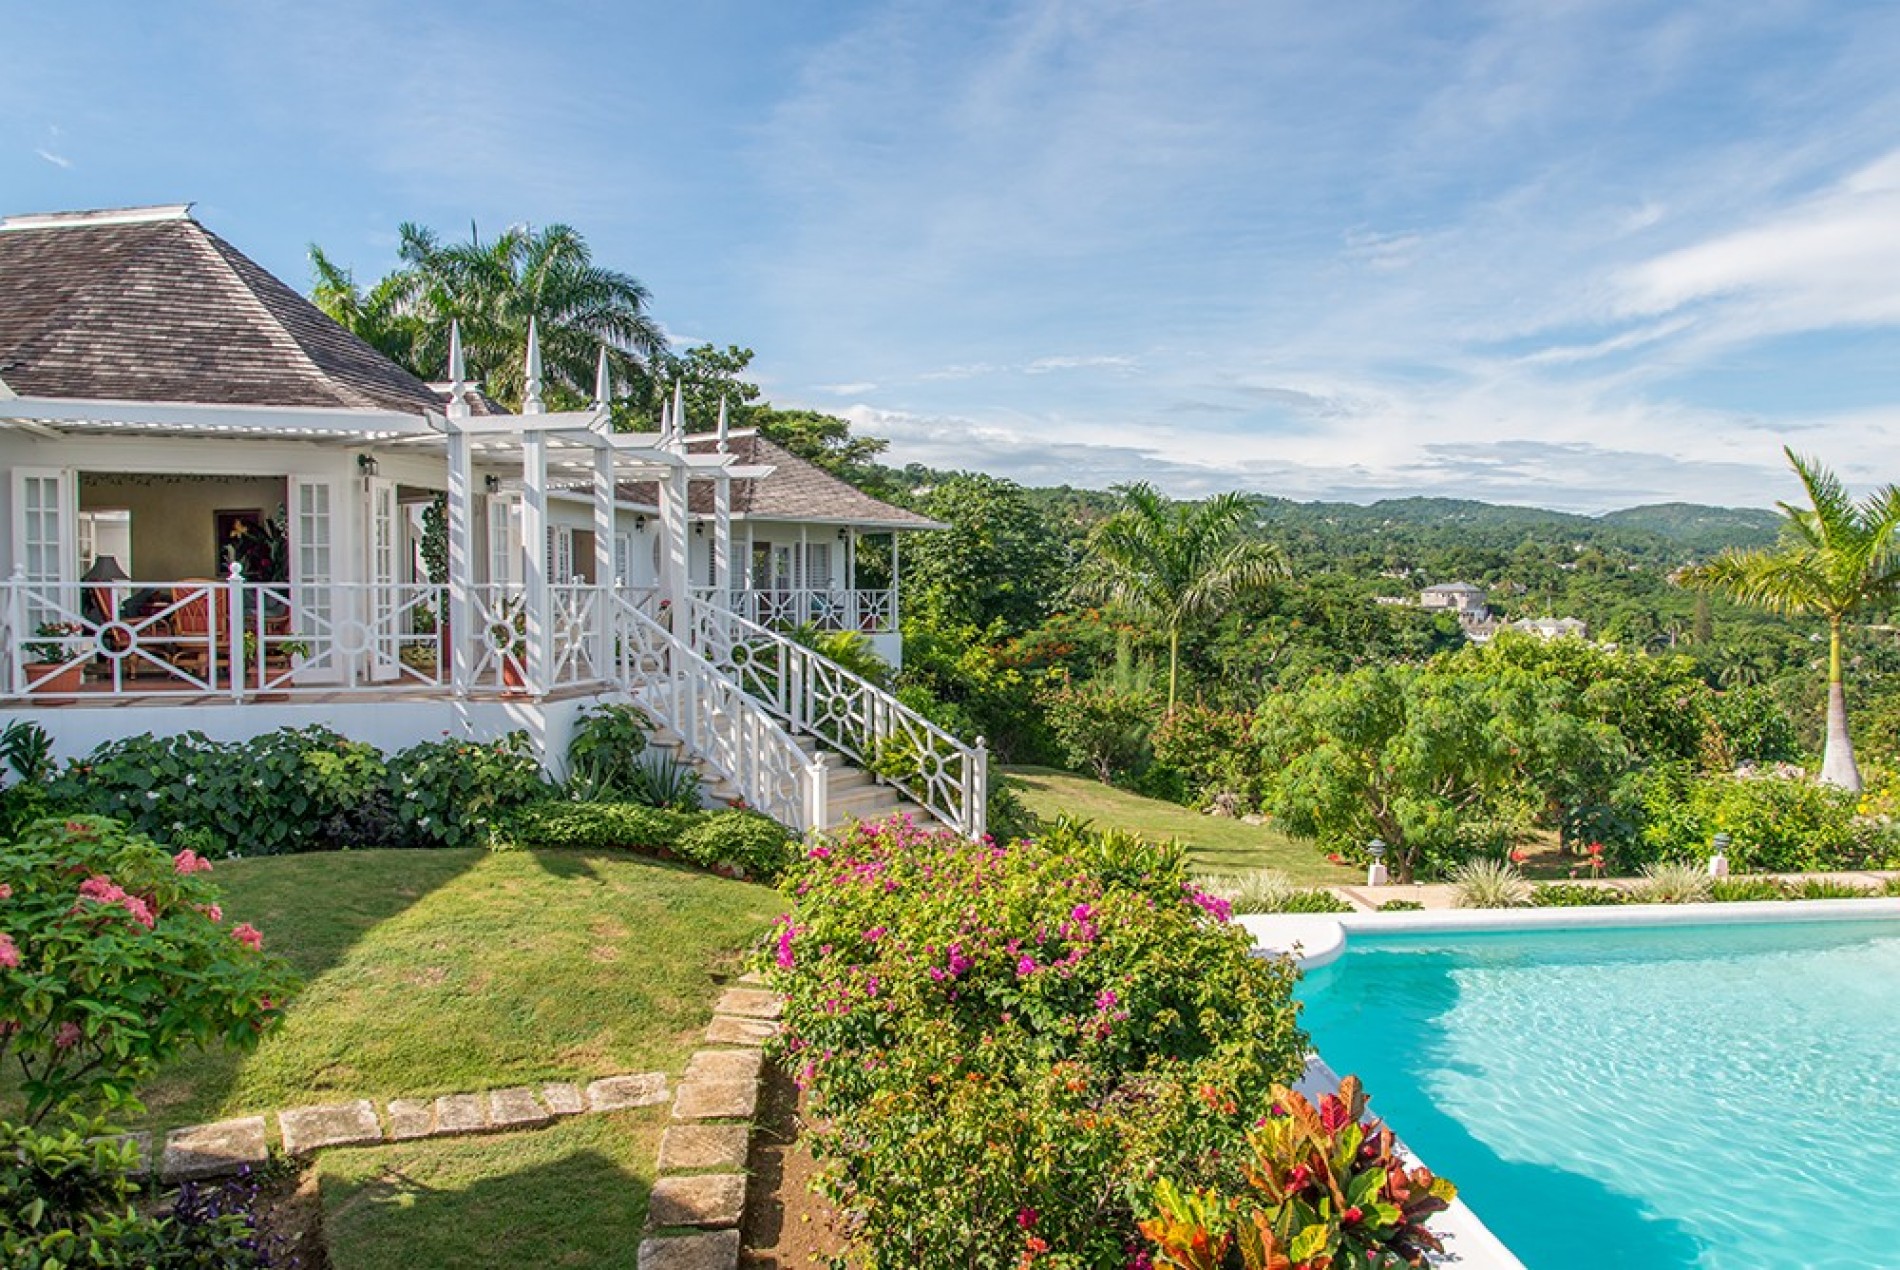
(797, 489)
(148, 305)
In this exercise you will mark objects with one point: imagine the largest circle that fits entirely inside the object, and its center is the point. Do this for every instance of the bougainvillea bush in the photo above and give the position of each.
(114, 957)
(1326, 1189)
(1005, 1045)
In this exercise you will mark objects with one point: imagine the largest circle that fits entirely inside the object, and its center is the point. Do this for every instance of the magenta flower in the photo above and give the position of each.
(1026, 966)
(249, 936)
(785, 959)
(9, 953)
(1106, 1000)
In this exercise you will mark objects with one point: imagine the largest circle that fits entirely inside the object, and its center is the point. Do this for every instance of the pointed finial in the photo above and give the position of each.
(458, 371)
(531, 399)
(679, 412)
(603, 381)
(723, 449)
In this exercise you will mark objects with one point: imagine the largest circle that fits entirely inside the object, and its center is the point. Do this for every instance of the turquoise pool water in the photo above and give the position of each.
(1720, 1096)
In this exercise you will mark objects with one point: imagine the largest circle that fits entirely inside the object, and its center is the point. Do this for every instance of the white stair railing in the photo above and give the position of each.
(815, 695)
(716, 721)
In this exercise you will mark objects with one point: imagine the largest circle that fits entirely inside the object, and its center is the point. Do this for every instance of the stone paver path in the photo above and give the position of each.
(696, 1204)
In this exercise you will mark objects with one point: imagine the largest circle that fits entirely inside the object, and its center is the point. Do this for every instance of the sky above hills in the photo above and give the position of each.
(1576, 253)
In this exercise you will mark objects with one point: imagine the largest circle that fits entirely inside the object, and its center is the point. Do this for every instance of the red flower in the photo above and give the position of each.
(248, 935)
(1352, 1216)
(1519, 856)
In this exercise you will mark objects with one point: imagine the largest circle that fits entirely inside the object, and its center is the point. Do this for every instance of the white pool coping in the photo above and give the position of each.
(1316, 939)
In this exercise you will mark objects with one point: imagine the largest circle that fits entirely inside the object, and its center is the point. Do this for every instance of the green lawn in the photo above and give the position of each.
(434, 972)
(1217, 843)
(573, 1195)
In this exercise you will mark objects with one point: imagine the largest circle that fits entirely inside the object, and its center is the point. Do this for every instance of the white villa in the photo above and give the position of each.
(217, 506)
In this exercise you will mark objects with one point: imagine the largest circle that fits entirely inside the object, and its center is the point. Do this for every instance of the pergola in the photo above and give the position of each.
(575, 449)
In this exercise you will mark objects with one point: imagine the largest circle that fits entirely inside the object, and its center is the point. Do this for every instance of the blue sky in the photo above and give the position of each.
(1578, 254)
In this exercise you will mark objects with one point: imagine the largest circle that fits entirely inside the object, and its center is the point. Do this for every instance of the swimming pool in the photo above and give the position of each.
(1713, 1096)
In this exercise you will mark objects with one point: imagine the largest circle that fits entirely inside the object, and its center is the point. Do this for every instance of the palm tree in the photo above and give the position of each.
(380, 316)
(1173, 563)
(1836, 557)
(493, 289)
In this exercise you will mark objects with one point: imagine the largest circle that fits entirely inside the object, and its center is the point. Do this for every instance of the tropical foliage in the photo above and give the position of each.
(1002, 1044)
(1171, 563)
(1836, 559)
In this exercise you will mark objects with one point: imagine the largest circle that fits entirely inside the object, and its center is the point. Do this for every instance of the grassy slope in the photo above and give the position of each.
(571, 1195)
(1218, 844)
(439, 971)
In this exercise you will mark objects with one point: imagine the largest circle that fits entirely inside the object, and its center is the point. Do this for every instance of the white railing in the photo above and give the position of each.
(219, 638)
(850, 714)
(826, 608)
(716, 721)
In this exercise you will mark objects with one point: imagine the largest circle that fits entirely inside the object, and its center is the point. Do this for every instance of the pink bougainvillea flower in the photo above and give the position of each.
(140, 910)
(1026, 1217)
(9, 953)
(189, 861)
(248, 935)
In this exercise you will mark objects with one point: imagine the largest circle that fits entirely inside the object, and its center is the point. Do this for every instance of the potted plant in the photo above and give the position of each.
(53, 665)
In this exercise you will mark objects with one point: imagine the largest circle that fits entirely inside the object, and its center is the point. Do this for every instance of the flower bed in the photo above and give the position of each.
(1005, 1046)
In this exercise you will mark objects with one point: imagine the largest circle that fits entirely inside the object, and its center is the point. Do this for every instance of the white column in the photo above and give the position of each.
(897, 596)
(722, 536)
(461, 520)
(853, 607)
(604, 577)
(673, 544)
(534, 565)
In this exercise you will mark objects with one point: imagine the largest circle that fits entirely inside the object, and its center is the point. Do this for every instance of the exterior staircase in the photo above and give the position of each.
(767, 720)
(851, 793)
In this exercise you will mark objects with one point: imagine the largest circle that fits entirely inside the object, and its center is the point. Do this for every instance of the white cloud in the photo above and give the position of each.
(1043, 365)
(1828, 261)
(857, 389)
(57, 160)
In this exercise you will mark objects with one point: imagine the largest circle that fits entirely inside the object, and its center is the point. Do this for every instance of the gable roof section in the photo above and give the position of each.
(148, 305)
(797, 490)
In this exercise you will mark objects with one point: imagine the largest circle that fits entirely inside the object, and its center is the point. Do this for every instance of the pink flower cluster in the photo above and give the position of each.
(1213, 905)
(189, 861)
(9, 953)
(102, 890)
(249, 936)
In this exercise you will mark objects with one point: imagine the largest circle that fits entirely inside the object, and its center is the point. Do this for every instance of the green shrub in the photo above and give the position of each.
(1401, 906)
(658, 779)
(1326, 1185)
(1732, 889)
(603, 756)
(1574, 895)
(1830, 889)
(113, 959)
(737, 843)
(594, 826)
(301, 789)
(1207, 752)
(69, 1201)
(1485, 882)
(1778, 824)
(1103, 730)
(1007, 817)
(1669, 882)
(452, 793)
(1003, 1045)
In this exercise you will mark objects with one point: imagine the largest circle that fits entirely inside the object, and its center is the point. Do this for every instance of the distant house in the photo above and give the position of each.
(1553, 627)
(1453, 597)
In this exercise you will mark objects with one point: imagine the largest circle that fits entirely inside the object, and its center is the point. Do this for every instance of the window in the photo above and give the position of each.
(105, 532)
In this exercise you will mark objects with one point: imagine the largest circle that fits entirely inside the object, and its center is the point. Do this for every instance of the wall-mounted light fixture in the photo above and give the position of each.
(843, 534)
(366, 464)
(640, 523)
(491, 483)
(699, 529)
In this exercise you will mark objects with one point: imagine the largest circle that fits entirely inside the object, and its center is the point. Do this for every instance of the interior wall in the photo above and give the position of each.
(174, 518)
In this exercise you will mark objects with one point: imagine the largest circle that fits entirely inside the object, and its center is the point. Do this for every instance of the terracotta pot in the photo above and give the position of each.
(57, 681)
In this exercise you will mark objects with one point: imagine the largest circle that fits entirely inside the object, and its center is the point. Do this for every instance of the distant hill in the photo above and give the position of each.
(1701, 529)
